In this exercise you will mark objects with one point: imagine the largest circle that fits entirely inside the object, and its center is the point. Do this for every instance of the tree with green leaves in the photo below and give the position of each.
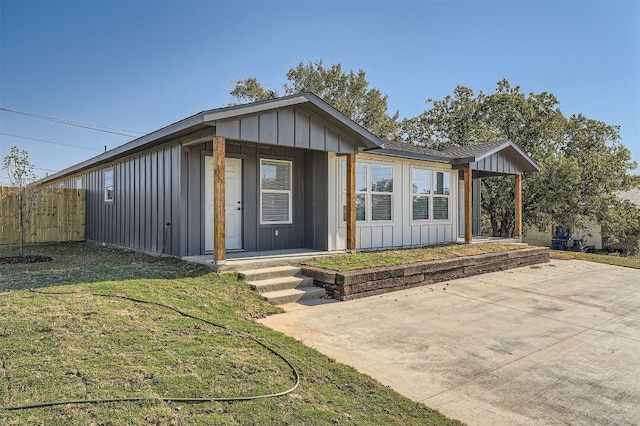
(20, 173)
(348, 92)
(583, 163)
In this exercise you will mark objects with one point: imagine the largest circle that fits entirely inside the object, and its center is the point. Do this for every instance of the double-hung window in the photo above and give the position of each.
(381, 192)
(374, 192)
(441, 195)
(421, 189)
(431, 191)
(275, 191)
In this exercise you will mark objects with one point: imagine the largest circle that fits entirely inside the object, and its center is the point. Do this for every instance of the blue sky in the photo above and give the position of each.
(141, 65)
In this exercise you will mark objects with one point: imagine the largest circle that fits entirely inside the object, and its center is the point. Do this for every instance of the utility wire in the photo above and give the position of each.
(51, 142)
(121, 132)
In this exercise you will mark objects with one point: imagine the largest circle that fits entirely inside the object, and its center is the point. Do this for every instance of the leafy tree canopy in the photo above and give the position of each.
(583, 163)
(348, 92)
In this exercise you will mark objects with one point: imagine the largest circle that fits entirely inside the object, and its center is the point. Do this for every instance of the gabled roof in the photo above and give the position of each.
(499, 157)
(211, 118)
(476, 153)
(368, 139)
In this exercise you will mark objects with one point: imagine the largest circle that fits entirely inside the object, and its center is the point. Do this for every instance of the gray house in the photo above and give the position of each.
(288, 173)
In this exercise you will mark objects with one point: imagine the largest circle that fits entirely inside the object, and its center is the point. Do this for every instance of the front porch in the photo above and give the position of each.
(242, 261)
(475, 162)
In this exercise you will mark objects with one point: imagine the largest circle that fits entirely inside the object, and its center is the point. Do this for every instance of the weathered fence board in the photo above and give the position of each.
(58, 215)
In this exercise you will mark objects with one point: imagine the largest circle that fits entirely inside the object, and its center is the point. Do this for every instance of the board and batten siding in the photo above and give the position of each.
(498, 162)
(290, 127)
(401, 231)
(146, 197)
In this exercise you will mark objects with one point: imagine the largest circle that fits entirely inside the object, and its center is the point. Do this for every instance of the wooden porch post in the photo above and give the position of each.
(351, 202)
(219, 229)
(517, 232)
(468, 206)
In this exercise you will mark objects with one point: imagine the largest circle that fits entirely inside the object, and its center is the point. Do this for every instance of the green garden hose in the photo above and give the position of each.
(168, 399)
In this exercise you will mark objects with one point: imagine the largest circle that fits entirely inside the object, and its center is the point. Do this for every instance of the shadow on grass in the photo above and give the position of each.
(75, 263)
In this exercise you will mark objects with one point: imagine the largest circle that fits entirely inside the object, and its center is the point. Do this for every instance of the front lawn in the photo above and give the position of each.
(608, 259)
(372, 259)
(81, 344)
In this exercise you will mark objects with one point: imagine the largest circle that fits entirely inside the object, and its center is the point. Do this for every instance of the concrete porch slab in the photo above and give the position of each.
(238, 261)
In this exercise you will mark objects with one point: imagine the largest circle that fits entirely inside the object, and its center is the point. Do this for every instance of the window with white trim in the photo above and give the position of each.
(108, 185)
(381, 192)
(421, 190)
(79, 183)
(374, 192)
(275, 191)
(431, 191)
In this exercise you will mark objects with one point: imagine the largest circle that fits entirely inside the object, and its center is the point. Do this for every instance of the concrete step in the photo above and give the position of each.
(268, 273)
(280, 283)
(299, 295)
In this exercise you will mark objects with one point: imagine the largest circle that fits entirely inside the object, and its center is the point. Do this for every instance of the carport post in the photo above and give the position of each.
(468, 206)
(517, 232)
(351, 202)
(219, 230)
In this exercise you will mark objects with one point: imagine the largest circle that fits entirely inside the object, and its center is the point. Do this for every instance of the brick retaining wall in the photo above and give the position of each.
(369, 282)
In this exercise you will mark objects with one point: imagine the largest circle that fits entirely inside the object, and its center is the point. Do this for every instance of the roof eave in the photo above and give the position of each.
(129, 147)
(410, 154)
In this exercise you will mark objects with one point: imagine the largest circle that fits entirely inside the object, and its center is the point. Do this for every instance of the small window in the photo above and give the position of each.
(108, 185)
(79, 183)
(275, 191)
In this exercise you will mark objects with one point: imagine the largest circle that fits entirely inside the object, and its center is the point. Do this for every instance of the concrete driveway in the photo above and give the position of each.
(557, 343)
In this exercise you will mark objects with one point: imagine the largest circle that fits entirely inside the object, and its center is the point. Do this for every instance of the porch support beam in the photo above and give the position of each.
(219, 228)
(351, 202)
(468, 206)
(517, 232)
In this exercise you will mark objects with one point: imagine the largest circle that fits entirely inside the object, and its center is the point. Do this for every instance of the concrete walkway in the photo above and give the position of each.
(552, 344)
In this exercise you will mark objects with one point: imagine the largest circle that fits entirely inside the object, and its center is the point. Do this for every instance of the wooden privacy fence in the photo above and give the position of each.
(58, 215)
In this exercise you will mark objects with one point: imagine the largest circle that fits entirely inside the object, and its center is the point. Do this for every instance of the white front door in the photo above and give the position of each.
(233, 200)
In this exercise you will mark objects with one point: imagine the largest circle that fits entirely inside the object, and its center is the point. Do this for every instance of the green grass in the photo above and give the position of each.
(374, 259)
(83, 346)
(615, 260)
